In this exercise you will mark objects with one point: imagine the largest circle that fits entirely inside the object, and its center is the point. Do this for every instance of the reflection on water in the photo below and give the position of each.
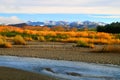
(63, 69)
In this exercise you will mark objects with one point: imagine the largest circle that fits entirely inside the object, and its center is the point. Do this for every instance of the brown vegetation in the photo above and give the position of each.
(84, 44)
(4, 44)
(59, 33)
(108, 49)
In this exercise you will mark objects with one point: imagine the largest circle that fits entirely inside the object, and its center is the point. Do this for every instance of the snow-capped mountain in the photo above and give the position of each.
(77, 24)
(35, 23)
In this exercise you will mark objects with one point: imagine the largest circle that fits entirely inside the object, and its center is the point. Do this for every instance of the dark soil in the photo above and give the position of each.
(15, 74)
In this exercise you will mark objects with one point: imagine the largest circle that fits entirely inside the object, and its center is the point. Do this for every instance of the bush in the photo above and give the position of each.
(1, 41)
(4, 44)
(117, 36)
(108, 49)
(28, 38)
(9, 34)
(19, 40)
(62, 36)
(7, 45)
(84, 44)
(3, 37)
(41, 38)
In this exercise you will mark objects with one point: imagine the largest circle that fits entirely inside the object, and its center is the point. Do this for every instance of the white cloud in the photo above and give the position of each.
(81, 10)
(60, 2)
(10, 20)
(60, 6)
(108, 16)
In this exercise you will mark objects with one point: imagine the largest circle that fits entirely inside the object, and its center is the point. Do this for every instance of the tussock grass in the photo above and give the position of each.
(108, 49)
(1, 41)
(19, 40)
(7, 45)
(84, 44)
(41, 38)
(28, 39)
(4, 44)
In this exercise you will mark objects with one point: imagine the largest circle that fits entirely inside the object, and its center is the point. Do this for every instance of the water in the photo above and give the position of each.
(64, 70)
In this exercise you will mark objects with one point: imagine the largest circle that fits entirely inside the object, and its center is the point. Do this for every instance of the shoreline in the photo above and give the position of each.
(8, 73)
(58, 60)
(61, 51)
(99, 58)
(62, 69)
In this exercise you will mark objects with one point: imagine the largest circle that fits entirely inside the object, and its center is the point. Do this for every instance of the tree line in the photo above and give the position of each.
(110, 28)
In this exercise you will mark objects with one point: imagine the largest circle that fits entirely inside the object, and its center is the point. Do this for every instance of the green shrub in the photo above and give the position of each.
(62, 36)
(9, 34)
(117, 36)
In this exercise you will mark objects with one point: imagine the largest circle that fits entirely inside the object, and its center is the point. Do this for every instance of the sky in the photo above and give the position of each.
(16, 11)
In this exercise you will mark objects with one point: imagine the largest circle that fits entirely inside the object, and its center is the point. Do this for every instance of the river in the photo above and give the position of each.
(63, 70)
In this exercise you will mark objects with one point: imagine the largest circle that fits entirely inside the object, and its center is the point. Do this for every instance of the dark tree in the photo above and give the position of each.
(110, 28)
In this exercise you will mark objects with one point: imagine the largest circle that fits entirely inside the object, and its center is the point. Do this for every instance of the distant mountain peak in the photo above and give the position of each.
(77, 24)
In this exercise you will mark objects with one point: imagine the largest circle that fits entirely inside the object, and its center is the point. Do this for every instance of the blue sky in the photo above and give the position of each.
(16, 11)
(64, 17)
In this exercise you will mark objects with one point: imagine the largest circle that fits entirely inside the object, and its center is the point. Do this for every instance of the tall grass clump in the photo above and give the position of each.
(41, 38)
(1, 42)
(28, 39)
(19, 40)
(84, 44)
(4, 44)
(108, 49)
(7, 45)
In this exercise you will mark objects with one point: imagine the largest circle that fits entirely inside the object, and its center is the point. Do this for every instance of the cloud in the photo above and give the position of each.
(108, 16)
(72, 10)
(65, 3)
(59, 6)
(10, 20)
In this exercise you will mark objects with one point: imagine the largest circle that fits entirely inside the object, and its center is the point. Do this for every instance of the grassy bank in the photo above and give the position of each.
(15, 74)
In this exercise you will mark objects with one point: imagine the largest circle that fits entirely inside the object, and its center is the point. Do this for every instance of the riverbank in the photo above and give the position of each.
(61, 51)
(16, 74)
(62, 70)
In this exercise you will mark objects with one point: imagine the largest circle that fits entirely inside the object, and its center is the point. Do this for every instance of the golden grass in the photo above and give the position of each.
(19, 40)
(28, 39)
(72, 36)
(1, 41)
(4, 44)
(84, 44)
(108, 49)
(8, 45)
(41, 38)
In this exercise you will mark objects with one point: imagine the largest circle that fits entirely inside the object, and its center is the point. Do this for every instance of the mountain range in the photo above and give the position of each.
(76, 24)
